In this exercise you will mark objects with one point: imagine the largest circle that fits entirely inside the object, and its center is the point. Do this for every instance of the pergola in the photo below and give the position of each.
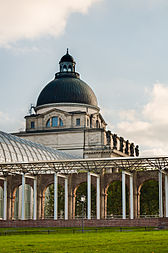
(93, 167)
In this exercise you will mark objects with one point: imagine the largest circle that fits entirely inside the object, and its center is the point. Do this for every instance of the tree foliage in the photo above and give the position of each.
(114, 199)
(149, 198)
(82, 191)
(49, 201)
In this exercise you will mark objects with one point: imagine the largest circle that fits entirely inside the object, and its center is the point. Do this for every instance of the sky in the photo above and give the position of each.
(121, 51)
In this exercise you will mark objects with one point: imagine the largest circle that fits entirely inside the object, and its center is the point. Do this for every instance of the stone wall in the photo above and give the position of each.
(153, 222)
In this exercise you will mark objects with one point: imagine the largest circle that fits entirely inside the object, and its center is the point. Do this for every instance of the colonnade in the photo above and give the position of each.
(4, 197)
(34, 196)
(124, 173)
(56, 195)
(89, 175)
(98, 195)
(161, 194)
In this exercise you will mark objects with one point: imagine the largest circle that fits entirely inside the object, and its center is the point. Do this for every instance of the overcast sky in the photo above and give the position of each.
(121, 51)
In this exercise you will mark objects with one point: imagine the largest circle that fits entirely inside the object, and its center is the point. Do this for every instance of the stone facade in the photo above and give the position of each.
(82, 132)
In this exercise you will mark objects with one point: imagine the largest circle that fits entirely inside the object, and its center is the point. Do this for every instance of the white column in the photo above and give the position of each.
(35, 200)
(55, 196)
(23, 197)
(166, 194)
(5, 199)
(98, 198)
(160, 195)
(88, 196)
(131, 198)
(66, 198)
(123, 196)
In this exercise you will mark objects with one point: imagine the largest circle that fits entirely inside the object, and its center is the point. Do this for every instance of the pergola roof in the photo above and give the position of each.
(95, 165)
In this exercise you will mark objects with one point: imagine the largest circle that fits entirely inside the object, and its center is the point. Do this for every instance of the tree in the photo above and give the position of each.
(49, 201)
(149, 198)
(82, 191)
(114, 199)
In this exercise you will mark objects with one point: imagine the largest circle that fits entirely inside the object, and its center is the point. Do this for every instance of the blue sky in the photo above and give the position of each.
(120, 48)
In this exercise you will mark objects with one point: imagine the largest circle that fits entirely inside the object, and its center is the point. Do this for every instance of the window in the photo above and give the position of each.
(32, 124)
(64, 68)
(69, 68)
(60, 122)
(87, 122)
(91, 119)
(54, 121)
(48, 123)
(77, 122)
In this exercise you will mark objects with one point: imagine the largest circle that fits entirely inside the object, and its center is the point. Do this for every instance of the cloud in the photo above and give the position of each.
(30, 19)
(149, 126)
(127, 115)
(147, 4)
(9, 123)
(156, 109)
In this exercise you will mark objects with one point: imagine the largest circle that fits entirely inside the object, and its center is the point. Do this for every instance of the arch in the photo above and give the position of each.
(64, 68)
(17, 202)
(81, 190)
(148, 198)
(1, 202)
(114, 200)
(48, 123)
(60, 122)
(54, 121)
(48, 194)
(69, 68)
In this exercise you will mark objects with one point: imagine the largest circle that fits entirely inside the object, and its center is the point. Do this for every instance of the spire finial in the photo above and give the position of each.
(67, 51)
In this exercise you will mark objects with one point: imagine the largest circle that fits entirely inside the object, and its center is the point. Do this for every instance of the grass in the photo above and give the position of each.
(101, 241)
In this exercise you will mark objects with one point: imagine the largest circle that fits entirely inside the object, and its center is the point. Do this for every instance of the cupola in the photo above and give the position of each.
(67, 63)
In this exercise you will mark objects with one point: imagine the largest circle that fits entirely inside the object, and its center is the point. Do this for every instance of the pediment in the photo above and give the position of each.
(55, 110)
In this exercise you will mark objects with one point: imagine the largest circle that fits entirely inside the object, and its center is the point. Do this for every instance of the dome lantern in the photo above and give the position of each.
(67, 63)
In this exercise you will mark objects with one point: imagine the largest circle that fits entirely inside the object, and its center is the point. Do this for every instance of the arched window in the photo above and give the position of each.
(60, 122)
(54, 121)
(48, 123)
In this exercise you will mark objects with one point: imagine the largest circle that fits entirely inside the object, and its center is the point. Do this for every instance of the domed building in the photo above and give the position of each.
(67, 117)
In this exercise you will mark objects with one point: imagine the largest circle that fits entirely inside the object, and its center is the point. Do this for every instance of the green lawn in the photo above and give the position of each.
(137, 241)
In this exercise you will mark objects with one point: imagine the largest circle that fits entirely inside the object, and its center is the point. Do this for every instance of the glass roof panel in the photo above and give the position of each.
(13, 149)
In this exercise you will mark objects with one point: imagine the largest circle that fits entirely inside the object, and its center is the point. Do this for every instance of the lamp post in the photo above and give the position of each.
(83, 198)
